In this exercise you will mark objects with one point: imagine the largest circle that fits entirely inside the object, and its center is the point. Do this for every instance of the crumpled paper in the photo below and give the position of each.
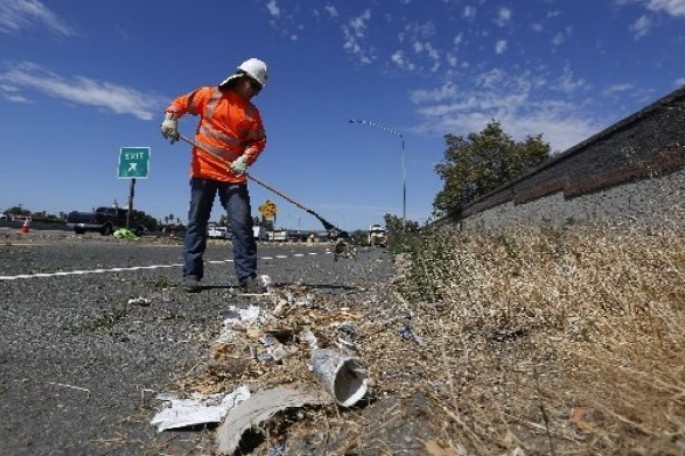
(200, 410)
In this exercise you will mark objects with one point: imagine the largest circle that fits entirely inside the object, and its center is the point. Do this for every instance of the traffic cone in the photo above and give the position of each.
(25, 227)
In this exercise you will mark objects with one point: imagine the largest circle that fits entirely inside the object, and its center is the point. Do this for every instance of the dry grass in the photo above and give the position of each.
(553, 341)
(537, 342)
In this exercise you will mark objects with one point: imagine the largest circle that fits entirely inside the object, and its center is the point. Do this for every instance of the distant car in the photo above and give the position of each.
(4, 216)
(218, 232)
(105, 220)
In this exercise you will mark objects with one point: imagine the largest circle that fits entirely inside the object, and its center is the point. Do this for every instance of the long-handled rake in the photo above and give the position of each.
(333, 231)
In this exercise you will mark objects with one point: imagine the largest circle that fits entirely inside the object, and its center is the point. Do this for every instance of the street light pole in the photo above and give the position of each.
(404, 169)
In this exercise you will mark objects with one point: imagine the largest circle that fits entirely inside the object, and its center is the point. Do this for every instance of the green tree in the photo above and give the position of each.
(481, 162)
(400, 235)
(18, 211)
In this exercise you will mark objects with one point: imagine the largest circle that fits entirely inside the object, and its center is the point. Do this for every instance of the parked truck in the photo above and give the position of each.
(104, 220)
(378, 236)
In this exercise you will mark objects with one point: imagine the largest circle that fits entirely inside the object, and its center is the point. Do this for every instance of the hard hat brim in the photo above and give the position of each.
(232, 77)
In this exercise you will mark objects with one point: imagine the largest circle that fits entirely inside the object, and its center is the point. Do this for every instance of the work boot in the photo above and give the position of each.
(252, 286)
(191, 284)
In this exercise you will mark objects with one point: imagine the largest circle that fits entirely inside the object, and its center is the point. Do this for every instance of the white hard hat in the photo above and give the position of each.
(254, 68)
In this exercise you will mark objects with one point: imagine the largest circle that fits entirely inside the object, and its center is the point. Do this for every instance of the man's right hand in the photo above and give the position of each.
(170, 127)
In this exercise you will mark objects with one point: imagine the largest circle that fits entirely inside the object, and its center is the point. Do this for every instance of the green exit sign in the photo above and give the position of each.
(134, 162)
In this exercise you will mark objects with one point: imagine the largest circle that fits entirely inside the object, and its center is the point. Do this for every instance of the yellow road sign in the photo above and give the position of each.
(268, 209)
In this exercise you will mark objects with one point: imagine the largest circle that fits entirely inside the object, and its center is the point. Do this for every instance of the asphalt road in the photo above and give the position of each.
(79, 364)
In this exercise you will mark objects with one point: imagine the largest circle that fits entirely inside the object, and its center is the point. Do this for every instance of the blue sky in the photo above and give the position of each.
(79, 79)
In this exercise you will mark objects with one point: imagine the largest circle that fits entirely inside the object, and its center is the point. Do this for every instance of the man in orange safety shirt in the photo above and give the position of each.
(230, 137)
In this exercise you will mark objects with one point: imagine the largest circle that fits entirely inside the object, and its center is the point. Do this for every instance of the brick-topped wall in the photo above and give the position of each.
(634, 169)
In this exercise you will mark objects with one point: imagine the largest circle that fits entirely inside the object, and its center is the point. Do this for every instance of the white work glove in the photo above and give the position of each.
(170, 127)
(239, 165)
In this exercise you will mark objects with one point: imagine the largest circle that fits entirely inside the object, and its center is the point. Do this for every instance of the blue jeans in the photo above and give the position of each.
(235, 199)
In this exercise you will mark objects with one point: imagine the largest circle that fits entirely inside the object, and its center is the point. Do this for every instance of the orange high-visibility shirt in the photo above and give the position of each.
(229, 127)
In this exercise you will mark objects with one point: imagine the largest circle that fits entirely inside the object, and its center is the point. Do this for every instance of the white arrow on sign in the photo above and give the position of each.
(132, 167)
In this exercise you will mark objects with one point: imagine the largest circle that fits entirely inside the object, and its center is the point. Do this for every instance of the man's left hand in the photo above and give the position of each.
(239, 165)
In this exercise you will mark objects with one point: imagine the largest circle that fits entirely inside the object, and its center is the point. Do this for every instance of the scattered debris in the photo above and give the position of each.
(306, 335)
(140, 301)
(266, 281)
(506, 335)
(346, 340)
(342, 249)
(200, 410)
(343, 377)
(77, 388)
(273, 349)
(259, 408)
(277, 450)
(408, 333)
(237, 319)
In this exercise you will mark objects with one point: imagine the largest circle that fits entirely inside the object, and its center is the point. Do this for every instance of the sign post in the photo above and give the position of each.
(134, 162)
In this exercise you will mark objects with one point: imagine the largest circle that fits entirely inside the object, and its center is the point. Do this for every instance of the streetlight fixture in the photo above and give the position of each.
(404, 170)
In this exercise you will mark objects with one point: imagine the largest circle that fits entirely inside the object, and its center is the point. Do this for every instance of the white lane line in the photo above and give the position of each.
(132, 268)
(85, 272)
(220, 261)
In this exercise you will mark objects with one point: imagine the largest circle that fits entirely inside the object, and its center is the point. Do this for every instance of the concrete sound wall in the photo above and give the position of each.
(633, 170)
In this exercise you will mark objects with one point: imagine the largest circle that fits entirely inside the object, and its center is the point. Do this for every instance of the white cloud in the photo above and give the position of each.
(617, 88)
(641, 27)
(513, 100)
(503, 16)
(500, 46)
(11, 93)
(79, 90)
(20, 15)
(331, 10)
(354, 33)
(567, 84)
(561, 37)
(273, 8)
(17, 99)
(428, 49)
(671, 7)
(445, 92)
(469, 12)
(490, 79)
(680, 82)
(399, 59)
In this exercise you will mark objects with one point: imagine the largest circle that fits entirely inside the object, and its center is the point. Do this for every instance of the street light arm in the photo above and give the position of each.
(373, 124)
(404, 169)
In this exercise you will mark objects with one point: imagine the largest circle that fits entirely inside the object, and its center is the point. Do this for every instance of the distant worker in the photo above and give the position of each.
(229, 138)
